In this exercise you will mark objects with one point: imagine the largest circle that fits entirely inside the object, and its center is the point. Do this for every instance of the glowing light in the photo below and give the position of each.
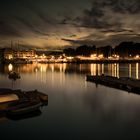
(102, 68)
(93, 55)
(130, 70)
(10, 56)
(64, 60)
(10, 67)
(137, 70)
(101, 56)
(137, 56)
(93, 69)
(70, 58)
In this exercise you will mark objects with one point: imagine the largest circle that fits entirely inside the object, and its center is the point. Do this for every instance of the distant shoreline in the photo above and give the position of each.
(84, 62)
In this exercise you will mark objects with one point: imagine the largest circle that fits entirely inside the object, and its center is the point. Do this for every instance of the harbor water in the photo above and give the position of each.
(76, 109)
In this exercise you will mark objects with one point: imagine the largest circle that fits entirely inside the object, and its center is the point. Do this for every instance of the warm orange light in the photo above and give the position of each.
(10, 67)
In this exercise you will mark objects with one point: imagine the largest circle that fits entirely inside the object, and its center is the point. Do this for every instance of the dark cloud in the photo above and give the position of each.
(102, 13)
(119, 6)
(32, 27)
(126, 6)
(111, 40)
(80, 21)
(116, 30)
(79, 42)
(6, 30)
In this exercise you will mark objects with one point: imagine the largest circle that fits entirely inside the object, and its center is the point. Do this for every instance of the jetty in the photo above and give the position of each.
(123, 83)
(17, 102)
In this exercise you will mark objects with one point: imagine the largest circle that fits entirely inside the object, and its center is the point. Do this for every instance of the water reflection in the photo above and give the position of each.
(115, 69)
(130, 70)
(101, 110)
(6, 117)
(137, 70)
(10, 67)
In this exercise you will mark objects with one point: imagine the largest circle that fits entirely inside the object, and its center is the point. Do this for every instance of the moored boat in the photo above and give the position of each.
(14, 75)
(17, 102)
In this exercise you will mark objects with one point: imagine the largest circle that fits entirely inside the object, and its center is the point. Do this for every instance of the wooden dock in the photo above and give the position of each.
(123, 83)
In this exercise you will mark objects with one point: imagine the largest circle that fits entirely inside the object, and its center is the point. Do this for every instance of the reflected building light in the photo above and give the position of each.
(36, 70)
(118, 73)
(44, 68)
(102, 68)
(115, 70)
(10, 67)
(137, 70)
(130, 70)
(52, 68)
(64, 67)
(60, 67)
(41, 69)
(93, 69)
(112, 70)
(99, 69)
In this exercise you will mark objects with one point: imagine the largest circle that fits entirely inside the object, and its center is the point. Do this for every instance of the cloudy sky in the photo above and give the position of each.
(56, 24)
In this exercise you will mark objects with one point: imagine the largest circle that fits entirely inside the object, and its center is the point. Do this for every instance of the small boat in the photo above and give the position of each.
(17, 102)
(14, 75)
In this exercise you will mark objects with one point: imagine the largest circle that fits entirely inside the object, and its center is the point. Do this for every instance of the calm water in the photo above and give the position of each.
(76, 109)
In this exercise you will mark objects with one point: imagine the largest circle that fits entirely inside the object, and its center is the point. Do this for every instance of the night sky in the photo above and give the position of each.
(54, 24)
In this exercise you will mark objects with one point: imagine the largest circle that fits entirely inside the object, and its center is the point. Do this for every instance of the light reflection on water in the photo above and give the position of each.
(115, 69)
(76, 109)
